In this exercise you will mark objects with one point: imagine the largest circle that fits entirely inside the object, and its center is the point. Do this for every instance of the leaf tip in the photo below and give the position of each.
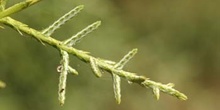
(97, 23)
(80, 6)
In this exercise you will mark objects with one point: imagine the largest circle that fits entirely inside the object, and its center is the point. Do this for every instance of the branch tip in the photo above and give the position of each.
(95, 67)
(72, 70)
(125, 59)
(164, 88)
(76, 38)
(117, 87)
(156, 92)
(62, 20)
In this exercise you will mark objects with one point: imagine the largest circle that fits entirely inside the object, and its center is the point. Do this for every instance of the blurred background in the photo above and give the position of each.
(178, 42)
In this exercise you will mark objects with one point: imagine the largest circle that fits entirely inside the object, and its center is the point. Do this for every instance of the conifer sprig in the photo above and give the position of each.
(97, 64)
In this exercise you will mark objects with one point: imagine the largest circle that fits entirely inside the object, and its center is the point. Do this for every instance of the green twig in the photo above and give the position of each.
(63, 76)
(17, 7)
(65, 48)
(101, 63)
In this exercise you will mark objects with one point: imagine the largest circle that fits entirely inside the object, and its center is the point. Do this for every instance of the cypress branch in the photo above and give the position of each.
(65, 48)
(132, 77)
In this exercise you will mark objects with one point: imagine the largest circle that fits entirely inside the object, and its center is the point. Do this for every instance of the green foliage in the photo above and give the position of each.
(97, 64)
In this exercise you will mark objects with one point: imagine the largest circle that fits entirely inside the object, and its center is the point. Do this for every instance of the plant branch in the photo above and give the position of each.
(17, 7)
(101, 63)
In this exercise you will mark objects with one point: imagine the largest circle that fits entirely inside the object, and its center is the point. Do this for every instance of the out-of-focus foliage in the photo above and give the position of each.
(178, 42)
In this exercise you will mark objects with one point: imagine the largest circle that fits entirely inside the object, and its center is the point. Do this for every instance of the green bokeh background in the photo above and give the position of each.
(178, 42)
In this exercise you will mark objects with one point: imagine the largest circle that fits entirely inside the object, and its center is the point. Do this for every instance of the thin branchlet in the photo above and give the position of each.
(116, 78)
(63, 77)
(95, 67)
(62, 20)
(117, 87)
(76, 38)
(72, 70)
(126, 58)
(156, 92)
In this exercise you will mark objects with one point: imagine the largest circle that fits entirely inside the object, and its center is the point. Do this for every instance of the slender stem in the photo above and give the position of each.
(60, 46)
(17, 7)
(84, 56)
